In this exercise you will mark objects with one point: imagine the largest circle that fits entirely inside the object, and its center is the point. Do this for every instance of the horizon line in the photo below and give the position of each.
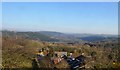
(57, 31)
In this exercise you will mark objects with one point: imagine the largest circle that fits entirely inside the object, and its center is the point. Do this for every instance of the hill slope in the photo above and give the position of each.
(29, 35)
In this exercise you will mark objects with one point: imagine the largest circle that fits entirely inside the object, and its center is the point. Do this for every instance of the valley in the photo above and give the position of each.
(58, 50)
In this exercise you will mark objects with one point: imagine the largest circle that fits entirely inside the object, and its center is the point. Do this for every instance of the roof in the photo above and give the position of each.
(61, 53)
(80, 58)
(77, 62)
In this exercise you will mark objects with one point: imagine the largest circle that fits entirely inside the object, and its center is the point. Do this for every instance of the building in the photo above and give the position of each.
(60, 54)
(57, 58)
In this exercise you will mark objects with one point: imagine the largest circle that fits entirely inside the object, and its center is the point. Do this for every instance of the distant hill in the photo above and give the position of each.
(93, 38)
(98, 37)
(29, 35)
(57, 34)
(79, 37)
(51, 33)
(62, 37)
(51, 36)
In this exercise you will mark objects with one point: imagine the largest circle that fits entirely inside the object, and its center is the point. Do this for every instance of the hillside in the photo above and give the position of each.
(19, 52)
(93, 38)
(60, 37)
(29, 35)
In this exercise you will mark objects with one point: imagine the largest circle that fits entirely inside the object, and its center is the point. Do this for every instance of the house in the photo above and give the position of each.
(57, 58)
(76, 62)
(60, 54)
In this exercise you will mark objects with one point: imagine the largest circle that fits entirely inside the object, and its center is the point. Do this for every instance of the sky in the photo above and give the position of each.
(67, 17)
